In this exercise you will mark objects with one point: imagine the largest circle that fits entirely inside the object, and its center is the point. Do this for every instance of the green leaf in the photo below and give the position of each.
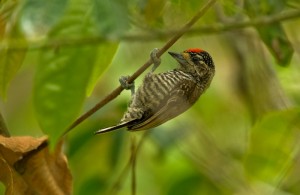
(273, 35)
(64, 73)
(293, 4)
(256, 8)
(60, 87)
(277, 42)
(105, 53)
(10, 60)
(191, 184)
(272, 145)
(116, 149)
(152, 10)
(112, 17)
(93, 185)
(39, 16)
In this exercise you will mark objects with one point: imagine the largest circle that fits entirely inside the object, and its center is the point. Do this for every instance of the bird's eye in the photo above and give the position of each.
(197, 59)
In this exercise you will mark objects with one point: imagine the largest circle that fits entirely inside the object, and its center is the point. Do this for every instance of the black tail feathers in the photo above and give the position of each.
(112, 128)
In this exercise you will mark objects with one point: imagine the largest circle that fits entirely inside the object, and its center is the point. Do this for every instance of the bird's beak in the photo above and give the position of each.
(179, 57)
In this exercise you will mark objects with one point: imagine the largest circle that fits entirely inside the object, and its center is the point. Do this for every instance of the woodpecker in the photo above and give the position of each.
(166, 95)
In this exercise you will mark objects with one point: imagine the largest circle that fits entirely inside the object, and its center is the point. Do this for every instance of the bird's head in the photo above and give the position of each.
(195, 61)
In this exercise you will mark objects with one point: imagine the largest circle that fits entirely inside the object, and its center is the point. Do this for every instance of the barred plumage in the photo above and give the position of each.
(164, 96)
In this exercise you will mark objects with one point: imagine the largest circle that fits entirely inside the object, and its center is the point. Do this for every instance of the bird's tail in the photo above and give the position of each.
(108, 129)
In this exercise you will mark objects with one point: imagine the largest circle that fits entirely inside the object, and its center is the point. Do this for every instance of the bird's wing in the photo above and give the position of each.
(175, 104)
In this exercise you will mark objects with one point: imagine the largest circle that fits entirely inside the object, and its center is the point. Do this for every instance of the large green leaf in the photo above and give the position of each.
(273, 144)
(60, 87)
(64, 73)
(10, 60)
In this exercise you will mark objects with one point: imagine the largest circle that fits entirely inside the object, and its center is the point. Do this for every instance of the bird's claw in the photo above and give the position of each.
(124, 83)
(156, 61)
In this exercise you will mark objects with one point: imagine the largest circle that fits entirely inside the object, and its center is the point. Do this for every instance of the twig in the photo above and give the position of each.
(119, 89)
(117, 185)
(215, 28)
(3, 128)
(133, 165)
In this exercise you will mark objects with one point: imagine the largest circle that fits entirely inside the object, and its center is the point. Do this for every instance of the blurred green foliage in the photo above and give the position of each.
(59, 58)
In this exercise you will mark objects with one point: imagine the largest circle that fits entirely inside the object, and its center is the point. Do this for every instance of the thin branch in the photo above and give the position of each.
(3, 128)
(119, 89)
(133, 165)
(118, 184)
(215, 28)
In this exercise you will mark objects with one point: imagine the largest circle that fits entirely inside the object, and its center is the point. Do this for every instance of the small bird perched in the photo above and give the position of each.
(166, 95)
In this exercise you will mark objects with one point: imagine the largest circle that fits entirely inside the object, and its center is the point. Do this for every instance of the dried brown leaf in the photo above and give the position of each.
(28, 167)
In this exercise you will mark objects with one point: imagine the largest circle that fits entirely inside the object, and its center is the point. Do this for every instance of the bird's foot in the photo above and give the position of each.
(156, 61)
(124, 83)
